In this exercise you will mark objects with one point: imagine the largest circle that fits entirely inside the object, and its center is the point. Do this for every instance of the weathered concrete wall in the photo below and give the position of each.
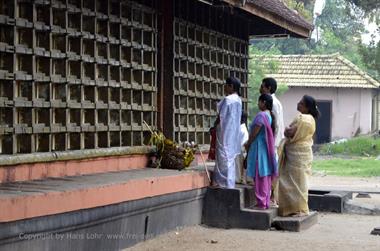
(111, 227)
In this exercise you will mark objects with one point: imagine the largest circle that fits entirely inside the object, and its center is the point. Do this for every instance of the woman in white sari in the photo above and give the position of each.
(295, 158)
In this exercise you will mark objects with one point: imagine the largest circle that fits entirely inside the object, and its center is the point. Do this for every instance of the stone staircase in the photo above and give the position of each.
(233, 208)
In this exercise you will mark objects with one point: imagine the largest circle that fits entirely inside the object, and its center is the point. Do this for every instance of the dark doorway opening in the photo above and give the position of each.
(323, 130)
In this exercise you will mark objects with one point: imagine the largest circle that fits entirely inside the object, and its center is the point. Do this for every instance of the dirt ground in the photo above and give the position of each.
(337, 232)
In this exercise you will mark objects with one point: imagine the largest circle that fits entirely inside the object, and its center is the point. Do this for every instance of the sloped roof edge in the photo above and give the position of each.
(278, 13)
(292, 78)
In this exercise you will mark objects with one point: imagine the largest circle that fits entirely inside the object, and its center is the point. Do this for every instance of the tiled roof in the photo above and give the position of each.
(316, 71)
(279, 8)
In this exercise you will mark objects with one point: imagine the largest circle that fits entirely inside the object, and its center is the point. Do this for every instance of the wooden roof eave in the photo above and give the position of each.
(273, 18)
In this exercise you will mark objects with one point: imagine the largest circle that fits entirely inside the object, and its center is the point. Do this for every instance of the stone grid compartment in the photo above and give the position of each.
(76, 74)
(203, 60)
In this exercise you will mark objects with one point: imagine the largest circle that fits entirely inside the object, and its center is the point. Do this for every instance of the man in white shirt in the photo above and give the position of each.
(227, 142)
(269, 86)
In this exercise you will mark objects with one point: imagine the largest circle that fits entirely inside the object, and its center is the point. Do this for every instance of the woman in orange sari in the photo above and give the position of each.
(295, 158)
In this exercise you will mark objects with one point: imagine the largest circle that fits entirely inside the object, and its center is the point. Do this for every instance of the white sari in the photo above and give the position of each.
(227, 140)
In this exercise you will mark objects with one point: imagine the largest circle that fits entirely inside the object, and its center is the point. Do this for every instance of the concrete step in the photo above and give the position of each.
(226, 208)
(295, 224)
(29, 199)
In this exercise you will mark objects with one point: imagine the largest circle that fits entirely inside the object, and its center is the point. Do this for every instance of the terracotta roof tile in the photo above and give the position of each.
(279, 8)
(317, 71)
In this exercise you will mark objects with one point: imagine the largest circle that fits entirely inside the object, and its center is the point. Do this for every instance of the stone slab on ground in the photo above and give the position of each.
(296, 224)
(328, 201)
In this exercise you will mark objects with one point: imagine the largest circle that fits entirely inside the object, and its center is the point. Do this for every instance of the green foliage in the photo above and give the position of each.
(300, 7)
(359, 146)
(257, 72)
(366, 167)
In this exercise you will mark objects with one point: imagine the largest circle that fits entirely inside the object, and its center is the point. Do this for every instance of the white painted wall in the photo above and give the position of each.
(351, 108)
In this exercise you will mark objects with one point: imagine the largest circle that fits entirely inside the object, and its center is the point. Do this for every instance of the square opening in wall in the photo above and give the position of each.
(24, 90)
(25, 10)
(7, 9)
(43, 65)
(6, 117)
(89, 116)
(43, 14)
(75, 93)
(43, 91)
(42, 142)
(88, 24)
(126, 138)
(75, 69)
(102, 28)
(126, 55)
(115, 139)
(115, 30)
(126, 33)
(59, 141)
(59, 18)
(43, 116)
(25, 37)
(102, 139)
(43, 40)
(199, 138)
(115, 117)
(74, 141)
(102, 117)
(74, 118)
(6, 90)
(89, 93)
(59, 43)
(6, 62)
(59, 92)
(115, 73)
(24, 63)
(74, 45)
(89, 4)
(6, 34)
(89, 71)
(89, 140)
(103, 94)
(102, 72)
(115, 8)
(137, 56)
(115, 95)
(24, 116)
(114, 52)
(6, 144)
(24, 143)
(126, 96)
(126, 117)
(59, 67)
(59, 117)
(74, 21)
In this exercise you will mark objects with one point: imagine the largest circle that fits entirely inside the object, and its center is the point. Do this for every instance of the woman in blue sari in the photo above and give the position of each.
(261, 158)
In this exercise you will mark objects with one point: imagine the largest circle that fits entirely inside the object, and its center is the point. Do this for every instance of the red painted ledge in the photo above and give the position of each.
(24, 206)
(42, 170)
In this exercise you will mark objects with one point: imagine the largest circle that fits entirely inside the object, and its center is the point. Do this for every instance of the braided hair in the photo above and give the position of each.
(268, 101)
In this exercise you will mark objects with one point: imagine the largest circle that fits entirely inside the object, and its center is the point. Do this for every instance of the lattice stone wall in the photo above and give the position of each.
(76, 74)
(203, 60)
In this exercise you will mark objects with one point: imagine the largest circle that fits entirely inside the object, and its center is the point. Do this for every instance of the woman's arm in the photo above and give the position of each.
(252, 136)
(290, 131)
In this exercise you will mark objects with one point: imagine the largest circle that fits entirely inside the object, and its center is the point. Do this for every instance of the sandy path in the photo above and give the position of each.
(335, 232)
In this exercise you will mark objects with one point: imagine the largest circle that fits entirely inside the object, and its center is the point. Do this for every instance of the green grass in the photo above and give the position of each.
(360, 146)
(365, 167)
